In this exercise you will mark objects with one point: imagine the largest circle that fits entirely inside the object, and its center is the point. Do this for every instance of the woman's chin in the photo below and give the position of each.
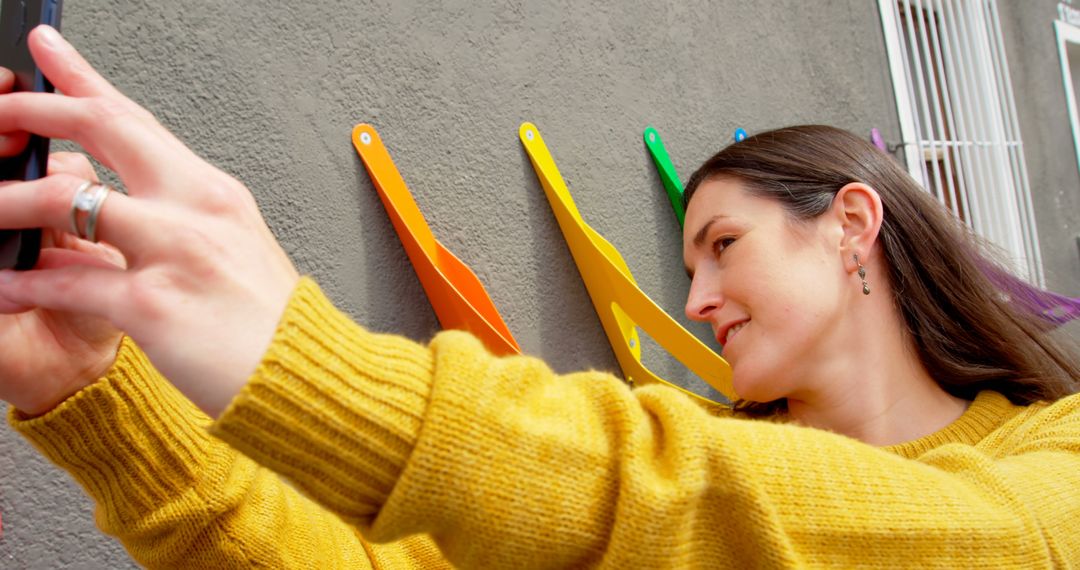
(753, 389)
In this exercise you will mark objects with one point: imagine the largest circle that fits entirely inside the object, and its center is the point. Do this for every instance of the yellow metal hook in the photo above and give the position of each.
(620, 304)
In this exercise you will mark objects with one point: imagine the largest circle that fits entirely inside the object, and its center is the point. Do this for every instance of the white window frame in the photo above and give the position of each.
(956, 110)
(1069, 34)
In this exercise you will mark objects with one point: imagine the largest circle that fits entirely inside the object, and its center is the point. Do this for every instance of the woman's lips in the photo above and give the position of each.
(727, 334)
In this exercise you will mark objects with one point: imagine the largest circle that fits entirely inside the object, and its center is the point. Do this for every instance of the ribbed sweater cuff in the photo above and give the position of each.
(130, 440)
(333, 407)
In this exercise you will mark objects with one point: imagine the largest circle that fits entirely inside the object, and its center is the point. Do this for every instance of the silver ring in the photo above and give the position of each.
(75, 206)
(89, 198)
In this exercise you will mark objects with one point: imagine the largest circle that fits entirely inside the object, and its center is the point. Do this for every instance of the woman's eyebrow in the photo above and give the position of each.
(699, 237)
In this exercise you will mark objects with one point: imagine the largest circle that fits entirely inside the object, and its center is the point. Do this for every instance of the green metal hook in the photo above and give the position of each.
(667, 172)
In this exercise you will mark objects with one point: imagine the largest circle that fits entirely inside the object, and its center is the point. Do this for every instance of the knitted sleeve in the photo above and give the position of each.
(508, 465)
(178, 498)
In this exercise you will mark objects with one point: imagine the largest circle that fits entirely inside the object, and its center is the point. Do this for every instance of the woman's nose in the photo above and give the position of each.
(703, 300)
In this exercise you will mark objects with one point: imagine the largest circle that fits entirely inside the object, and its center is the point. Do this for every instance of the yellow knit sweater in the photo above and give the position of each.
(507, 465)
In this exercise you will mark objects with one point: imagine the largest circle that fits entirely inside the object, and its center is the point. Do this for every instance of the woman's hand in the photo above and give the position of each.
(205, 281)
(45, 355)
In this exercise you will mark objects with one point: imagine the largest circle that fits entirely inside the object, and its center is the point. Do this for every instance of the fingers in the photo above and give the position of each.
(57, 258)
(134, 147)
(7, 80)
(65, 67)
(81, 289)
(73, 163)
(77, 165)
(91, 112)
(11, 144)
(101, 250)
(46, 203)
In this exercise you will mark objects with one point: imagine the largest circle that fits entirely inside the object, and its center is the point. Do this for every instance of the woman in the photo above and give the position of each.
(919, 426)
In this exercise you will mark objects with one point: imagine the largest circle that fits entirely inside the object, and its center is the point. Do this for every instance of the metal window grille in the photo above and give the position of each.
(958, 119)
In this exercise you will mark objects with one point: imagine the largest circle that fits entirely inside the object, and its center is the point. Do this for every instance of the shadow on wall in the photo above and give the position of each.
(569, 328)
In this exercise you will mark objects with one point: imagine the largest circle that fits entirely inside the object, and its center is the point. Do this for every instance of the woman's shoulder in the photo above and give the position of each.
(1065, 409)
(1042, 424)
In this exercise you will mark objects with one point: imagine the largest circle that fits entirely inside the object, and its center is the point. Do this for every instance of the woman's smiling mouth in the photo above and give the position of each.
(731, 332)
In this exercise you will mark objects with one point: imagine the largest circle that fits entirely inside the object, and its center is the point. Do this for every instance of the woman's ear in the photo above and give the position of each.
(857, 207)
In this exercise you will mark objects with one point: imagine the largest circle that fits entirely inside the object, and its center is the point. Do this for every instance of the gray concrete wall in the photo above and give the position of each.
(270, 91)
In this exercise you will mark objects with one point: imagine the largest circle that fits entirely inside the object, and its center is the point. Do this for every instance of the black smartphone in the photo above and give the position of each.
(19, 248)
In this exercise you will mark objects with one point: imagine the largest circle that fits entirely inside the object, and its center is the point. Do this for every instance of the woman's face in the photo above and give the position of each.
(770, 287)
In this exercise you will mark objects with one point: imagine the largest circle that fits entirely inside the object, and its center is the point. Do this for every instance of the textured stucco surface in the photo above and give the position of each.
(270, 90)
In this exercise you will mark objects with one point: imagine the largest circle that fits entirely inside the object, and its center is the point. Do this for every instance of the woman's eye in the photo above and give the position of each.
(721, 244)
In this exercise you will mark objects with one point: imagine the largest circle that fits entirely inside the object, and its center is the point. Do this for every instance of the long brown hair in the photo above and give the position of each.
(970, 333)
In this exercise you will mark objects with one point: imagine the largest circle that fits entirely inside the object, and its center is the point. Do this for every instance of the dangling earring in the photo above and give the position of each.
(862, 275)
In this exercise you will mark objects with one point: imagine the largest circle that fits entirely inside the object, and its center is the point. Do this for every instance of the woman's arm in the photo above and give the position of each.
(510, 466)
(177, 497)
(505, 464)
